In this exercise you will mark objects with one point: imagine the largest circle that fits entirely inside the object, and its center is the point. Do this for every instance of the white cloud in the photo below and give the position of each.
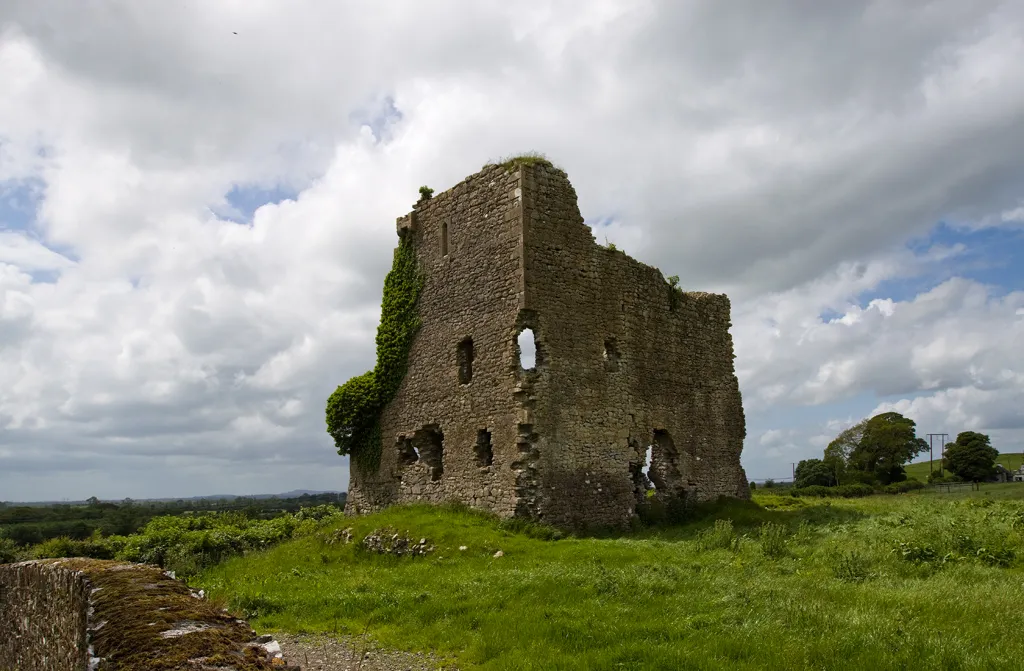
(783, 164)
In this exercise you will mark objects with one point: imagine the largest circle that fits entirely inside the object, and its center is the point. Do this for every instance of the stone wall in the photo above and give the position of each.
(468, 243)
(79, 614)
(43, 611)
(629, 365)
(624, 363)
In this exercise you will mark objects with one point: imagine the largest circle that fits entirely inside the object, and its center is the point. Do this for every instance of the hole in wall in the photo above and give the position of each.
(527, 346)
(444, 238)
(611, 355)
(483, 448)
(464, 356)
(407, 453)
(429, 443)
(647, 465)
(663, 459)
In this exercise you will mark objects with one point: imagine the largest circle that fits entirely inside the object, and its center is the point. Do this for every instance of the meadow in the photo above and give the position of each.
(918, 580)
(1011, 460)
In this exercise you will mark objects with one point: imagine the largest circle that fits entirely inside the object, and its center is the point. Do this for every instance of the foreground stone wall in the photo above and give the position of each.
(43, 613)
(625, 364)
(79, 614)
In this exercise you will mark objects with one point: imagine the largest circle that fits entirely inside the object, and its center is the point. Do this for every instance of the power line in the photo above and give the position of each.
(931, 450)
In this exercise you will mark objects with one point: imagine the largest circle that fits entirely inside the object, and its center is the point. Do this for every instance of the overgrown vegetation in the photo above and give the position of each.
(25, 524)
(674, 292)
(512, 162)
(186, 544)
(353, 410)
(139, 606)
(922, 580)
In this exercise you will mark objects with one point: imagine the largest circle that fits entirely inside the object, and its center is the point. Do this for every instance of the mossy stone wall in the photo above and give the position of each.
(65, 614)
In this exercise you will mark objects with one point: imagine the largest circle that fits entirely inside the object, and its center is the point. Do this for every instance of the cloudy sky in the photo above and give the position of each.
(197, 206)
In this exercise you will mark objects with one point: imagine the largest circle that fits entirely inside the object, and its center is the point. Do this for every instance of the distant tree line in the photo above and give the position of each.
(29, 525)
(875, 452)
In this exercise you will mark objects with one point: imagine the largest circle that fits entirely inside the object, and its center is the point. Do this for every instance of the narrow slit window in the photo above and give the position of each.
(464, 356)
(444, 238)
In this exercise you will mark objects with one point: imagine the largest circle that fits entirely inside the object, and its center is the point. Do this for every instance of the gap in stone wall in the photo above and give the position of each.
(429, 443)
(527, 345)
(611, 355)
(407, 452)
(664, 463)
(483, 448)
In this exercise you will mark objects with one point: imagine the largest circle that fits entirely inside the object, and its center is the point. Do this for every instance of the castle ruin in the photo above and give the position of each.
(626, 366)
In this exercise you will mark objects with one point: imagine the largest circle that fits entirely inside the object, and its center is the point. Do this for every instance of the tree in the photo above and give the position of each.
(92, 501)
(837, 454)
(971, 456)
(887, 444)
(813, 472)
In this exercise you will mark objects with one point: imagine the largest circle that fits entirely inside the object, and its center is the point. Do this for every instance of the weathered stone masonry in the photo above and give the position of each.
(624, 363)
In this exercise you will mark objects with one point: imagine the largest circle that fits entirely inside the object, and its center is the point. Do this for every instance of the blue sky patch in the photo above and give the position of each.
(19, 203)
(244, 200)
(381, 116)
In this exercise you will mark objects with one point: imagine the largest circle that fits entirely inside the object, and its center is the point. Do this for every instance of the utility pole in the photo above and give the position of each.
(793, 464)
(931, 450)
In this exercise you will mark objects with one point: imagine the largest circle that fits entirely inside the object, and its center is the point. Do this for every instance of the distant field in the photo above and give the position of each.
(1011, 460)
(910, 581)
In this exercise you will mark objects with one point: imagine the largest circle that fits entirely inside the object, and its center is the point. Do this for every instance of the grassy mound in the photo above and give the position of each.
(909, 581)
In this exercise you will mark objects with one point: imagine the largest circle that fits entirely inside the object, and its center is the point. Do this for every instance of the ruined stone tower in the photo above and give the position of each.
(624, 362)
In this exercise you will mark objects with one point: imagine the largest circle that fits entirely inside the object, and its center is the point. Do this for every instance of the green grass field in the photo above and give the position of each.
(920, 470)
(912, 581)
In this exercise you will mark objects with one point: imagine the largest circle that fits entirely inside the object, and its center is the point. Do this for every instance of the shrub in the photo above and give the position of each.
(9, 551)
(721, 536)
(854, 491)
(842, 491)
(753, 485)
(769, 483)
(773, 540)
(188, 544)
(903, 487)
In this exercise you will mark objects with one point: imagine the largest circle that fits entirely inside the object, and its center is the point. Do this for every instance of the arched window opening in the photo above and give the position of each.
(464, 357)
(444, 238)
(526, 343)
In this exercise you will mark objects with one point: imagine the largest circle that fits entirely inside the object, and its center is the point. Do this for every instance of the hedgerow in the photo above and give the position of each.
(188, 544)
(353, 410)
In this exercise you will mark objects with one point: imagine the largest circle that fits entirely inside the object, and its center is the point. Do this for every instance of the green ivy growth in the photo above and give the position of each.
(353, 410)
(674, 292)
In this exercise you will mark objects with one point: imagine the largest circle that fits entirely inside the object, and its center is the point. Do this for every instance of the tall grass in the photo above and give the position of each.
(883, 582)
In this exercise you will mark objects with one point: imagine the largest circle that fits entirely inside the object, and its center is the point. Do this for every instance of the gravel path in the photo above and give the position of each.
(351, 653)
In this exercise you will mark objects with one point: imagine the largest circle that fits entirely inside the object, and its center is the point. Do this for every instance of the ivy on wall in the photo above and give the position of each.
(353, 410)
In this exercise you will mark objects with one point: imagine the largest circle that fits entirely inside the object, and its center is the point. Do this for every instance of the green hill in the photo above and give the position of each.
(1011, 460)
(777, 583)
